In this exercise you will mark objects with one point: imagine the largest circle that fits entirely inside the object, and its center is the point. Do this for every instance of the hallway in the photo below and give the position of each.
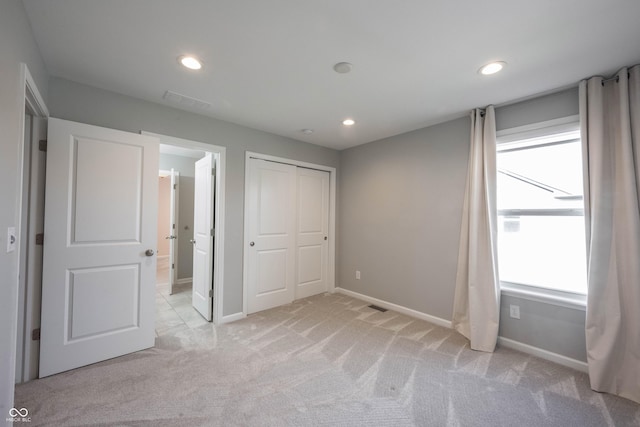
(174, 312)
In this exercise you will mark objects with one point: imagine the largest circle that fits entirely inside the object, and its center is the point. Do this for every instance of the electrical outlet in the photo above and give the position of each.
(357, 274)
(514, 311)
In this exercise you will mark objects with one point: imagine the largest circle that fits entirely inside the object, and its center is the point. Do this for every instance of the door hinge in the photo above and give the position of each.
(40, 239)
(175, 186)
(42, 145)
(35, 335)
(173, 226)
(212, 232)
(213, 171)
(173, 266)
(210, 293)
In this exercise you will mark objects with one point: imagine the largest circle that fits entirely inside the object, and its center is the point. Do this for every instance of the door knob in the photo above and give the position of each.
(149, 252)
(252, 244)
(192, 241)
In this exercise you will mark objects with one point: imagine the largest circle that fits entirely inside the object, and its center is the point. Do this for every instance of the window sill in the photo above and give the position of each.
(559, 298)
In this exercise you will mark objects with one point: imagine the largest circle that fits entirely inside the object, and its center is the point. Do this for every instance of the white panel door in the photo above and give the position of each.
(272, 227)
(312, 246)
(203, 237)
(173, 231)
(98, 289)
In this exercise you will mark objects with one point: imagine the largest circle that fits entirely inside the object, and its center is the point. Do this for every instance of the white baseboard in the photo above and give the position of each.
(184, 280)
(544, 354)
(232, 317)
(395, 307)
(505, 342)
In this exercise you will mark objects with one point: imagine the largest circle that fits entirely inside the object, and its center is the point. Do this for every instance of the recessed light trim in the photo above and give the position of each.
(492, 68)
(348, 122)
(190, 62)
(307, 131)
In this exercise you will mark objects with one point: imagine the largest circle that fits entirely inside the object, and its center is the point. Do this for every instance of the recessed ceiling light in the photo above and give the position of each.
(191, 62)
(342, 67)
(348, 122)
(307, 131)
(492, 68)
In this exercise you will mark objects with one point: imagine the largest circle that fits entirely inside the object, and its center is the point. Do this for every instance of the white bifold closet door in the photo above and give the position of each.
(288, 229)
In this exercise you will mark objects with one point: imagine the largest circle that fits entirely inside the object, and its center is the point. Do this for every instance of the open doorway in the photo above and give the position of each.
(168, 228)
(190, 266)
(175, 266)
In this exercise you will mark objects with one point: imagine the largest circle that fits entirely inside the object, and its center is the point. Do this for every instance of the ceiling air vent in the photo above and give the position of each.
(185, 100)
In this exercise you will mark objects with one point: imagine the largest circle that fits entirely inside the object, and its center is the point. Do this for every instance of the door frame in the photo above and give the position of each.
(331, 262)
(220, 154)
(35, 103)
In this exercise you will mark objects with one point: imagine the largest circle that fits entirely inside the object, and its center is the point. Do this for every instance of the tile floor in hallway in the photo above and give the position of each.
(175, 312)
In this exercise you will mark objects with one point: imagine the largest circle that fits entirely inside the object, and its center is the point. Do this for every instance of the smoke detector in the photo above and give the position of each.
(342, 67)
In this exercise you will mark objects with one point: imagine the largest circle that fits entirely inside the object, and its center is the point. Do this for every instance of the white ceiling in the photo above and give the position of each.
(269, 64)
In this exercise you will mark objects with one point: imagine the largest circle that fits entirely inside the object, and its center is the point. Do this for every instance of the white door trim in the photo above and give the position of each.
(34, 101)
(32, 95)
(331, 267)
(220, 154)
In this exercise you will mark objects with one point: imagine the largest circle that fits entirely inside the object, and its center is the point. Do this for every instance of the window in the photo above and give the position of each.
(541, 234)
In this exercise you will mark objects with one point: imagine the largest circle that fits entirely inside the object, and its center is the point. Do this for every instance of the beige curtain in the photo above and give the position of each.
(610, 120)
(476, 307)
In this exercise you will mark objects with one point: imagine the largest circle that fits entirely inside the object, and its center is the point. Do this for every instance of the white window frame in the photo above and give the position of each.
(519, 137)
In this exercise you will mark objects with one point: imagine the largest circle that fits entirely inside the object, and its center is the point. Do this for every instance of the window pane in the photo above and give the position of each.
(543, 251)
(541, 177)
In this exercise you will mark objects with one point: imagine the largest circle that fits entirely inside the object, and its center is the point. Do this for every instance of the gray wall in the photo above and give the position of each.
(536, 110)
(400, 211)
(186, 167)
(399, 216)
(16, 45)
(547, 326)
(73, 101)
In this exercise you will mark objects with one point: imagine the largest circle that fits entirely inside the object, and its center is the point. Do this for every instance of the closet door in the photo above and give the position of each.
(271, 234)
(312, 246)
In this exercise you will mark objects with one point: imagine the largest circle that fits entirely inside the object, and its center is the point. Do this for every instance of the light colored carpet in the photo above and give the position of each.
(325, 360)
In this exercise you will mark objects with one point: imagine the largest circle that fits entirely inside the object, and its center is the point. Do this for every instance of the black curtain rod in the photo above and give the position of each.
(616, 78)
